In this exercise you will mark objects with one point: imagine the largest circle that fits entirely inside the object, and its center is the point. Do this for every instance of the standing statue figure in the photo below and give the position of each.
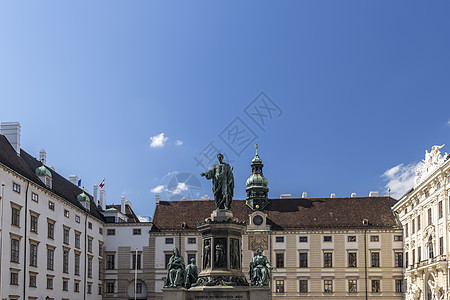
(234, 260)
(222, 183)
(220, 259)
(207, 255)
(191, 274)
(413, 292)
(434, 288)
(259, 269)
(175, 270)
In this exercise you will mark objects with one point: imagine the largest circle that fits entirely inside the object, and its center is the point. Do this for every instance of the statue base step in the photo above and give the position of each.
(217, 292)
(221, 215)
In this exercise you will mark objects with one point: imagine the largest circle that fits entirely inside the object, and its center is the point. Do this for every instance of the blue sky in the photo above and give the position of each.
(361, 87)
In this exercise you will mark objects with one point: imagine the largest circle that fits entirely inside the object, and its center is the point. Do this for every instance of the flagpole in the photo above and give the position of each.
(135, 273)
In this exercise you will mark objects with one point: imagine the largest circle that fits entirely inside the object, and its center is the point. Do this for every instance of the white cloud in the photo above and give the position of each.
(143, 219)
(158, 141)
(448, 122)
(400, 179)
(179, 143)
(181, 186)
(157, 189)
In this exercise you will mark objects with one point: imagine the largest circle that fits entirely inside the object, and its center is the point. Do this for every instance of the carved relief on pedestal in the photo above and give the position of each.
(257, 240)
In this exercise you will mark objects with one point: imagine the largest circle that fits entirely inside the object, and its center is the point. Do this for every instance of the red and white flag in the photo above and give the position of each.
(102, 184)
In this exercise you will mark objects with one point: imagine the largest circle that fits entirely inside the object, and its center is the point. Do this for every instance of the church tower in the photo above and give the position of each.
(257, 190)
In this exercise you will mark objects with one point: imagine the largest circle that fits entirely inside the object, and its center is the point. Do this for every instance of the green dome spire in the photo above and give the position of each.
(257, 185)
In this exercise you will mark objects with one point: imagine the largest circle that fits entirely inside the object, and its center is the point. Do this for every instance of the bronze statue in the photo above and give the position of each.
(259, 269)
(235, 254)
(175, 270)
(222, 183)
(220, 261)
(207, 255)
(191, 274)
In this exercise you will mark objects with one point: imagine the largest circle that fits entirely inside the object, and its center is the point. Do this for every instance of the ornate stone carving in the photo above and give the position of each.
(255, 241)
(432, 161)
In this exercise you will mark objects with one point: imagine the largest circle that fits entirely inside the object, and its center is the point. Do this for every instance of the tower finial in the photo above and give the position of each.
(256, 146)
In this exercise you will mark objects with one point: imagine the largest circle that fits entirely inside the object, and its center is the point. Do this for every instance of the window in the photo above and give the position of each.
(419, 253)
(399, 259)
(169, 240)
(32, 280)
(33, 255)
(303, 286)
(51, 205)
(351, 238)
(438, 185)
(90, 245)
(110, 261)
(303, 239)
(136, 261)
(429, 216)
(327, 238)
(110, 287)
(406, 230)
(352, 286)
(99, 289)
(413, 256)
(77, 239)
(138, 287)
(50, 283)
(65, 261)
(15, 250)
(76, 287)
(14, 278)
(279, 260)
(375, 259)
(398, 238)
(352, 259)
(441, 245)
(192, 240)
(374, 238)
(89, 267)
(15, 218)
(65, 285)
(413, 227)
(136, 231)
(190, 256)
(376, 286)
(110, 232)
(50, 258)
(441, 213)
(35, 198)
(279, 286)
(16, 187)
(34, 224)
(77, 218)
(303, 259)
(406, 259)
(327, 260)
(77, 264)
(418, 223)
(328, 286)
(100, 269)
(100, 249)
(66, 213)
(89, 288)
(66, 236)
(50, 230)
(279, 239)
(100, 230)
(398, 285)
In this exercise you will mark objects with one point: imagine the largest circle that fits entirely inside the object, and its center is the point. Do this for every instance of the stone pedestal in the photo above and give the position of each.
(218, 292)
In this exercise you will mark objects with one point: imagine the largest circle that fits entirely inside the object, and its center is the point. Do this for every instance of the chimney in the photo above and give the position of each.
(102, 198)
(333, 195)
(73, 179)
(11, 130)
(95, 191)
(285, 196)
(373, 194)
(122, 204)
(157, 198)
(304, 195)
(43, 157)
(353, 195)
(206, 197)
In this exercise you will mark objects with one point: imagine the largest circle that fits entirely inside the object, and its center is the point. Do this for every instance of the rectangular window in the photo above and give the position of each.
(66, 213)
(32, 280)
(15, 250)
(110, 261)
(65, 285)
(303, 286)
(100, 270)
(328, 286)
(352, 259)
(136, 261)
(413, 256)
(100, 249)
(50, 258)
(351, 238)
(399, 259)
(77, 218)
(441, 212)
(110, 287)
(398, 285)
(34, 224)
(303, 239)
(419, 253)
(110, 232)
(303, 259)
(51, 205)
(35, 198)
(279, 260)
(406, 259)
(406, 230)
(76, 287)
(375, 259)
(279, 239)
(100, 230)
(66, 236)
(16, 187)
(89, 288)
(138, 287)
(418, 223)
(77, 240)
(136, 231)
(279, 286)
(429, 217)
(77, 264)
(50, 230)
(192, 240)
(169, 240)
(376, 286)
(50, 283)
(33, 255)
(99, 289)
(14, 278)
(89, 225)
(327, 260)
(15, 217)
(352, 286)
(413, 227)
(398, 238)
(374, 238)
(90, 245)
(327, 238)
(441, 246)
(190, 256)
(89, 267)
(65, 261)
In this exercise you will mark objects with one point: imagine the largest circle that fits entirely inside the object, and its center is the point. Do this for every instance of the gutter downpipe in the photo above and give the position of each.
(365, 260)
(25, 243)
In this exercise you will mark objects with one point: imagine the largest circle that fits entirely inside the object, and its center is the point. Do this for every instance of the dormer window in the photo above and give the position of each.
(84, 200)
(45, 176)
